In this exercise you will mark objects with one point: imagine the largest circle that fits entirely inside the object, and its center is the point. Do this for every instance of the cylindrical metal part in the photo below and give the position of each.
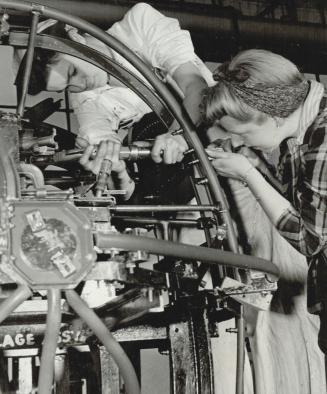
(28, 65)
(240, 351)
(103, 176)
(163, 208)
(129, 153)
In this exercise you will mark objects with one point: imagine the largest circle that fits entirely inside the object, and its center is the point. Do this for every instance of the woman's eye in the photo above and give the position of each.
(222, 128)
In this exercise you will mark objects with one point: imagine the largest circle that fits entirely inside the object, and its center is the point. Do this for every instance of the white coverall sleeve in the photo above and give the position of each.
(157, 39)
(96, 123)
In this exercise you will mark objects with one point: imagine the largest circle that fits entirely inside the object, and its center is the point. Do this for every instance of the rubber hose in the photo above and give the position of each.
(13, 301)
(113, 347)
(184, 251)
(51, 336)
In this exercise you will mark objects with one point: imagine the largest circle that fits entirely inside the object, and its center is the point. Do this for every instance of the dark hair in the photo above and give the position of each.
(42, 58)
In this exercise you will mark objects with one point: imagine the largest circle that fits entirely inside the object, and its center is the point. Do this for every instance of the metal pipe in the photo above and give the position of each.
(163, 208)
(227, 29)
(200, 18)
(113, 347)
(129, 153)
(184, 251)
(9, 180)
(240, 351)
(29, 63)
(21, 294)
(151, 221)
(67, 111)
(51, 336)
(34, 173)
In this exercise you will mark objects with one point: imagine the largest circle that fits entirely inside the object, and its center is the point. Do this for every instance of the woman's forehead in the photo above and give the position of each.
(234, 125)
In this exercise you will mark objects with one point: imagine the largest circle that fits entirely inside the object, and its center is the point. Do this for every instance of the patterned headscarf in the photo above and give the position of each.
(274, 100)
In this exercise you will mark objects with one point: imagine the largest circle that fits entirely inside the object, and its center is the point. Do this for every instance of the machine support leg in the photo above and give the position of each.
(110, 382)
(25, 383)
(240, 351)
(190, 355)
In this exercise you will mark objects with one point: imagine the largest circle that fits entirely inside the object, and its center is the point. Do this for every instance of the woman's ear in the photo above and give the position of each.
(279, 122)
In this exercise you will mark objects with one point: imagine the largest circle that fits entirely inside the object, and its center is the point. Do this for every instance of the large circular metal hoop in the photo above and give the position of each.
(204, 169)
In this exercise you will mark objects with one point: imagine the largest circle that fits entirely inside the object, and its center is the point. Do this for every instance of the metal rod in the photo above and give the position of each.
(51, 336)
(4, 106)
(150, 221)
(240, 351)
(163, 208)
(184, 251)
(21, 294)
(29, 64)
(67, 111)
(113, 347)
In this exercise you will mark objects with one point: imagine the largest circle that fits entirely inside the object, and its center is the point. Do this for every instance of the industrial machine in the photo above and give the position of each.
(66, 241)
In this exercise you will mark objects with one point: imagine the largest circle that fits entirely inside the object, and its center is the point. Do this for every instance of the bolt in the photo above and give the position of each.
(150, 294)
(177, 132)
(201, 181)
(231, 330)
(188, 151)
(191, 163)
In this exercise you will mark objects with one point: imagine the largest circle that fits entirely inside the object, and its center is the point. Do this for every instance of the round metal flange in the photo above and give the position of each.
(52, 243)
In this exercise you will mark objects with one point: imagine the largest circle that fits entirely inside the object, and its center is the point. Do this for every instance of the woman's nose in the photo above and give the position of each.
(236, 141)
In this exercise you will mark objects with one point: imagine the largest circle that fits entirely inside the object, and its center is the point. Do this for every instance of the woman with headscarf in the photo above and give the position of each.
(261, 101)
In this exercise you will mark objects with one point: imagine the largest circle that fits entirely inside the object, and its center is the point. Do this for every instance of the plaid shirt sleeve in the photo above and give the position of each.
(305, 227)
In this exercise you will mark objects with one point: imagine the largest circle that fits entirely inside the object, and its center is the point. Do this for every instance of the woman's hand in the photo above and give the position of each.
(226, 145)
(106, 150)
(169, 148)
(233, 165)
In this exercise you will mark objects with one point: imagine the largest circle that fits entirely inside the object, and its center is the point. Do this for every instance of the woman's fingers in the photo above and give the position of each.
(95, 164)
(107, 150)
(115, 152)
(218, 153)
(85, 159)
(101, 154)
(110, 151)
(168, 148)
